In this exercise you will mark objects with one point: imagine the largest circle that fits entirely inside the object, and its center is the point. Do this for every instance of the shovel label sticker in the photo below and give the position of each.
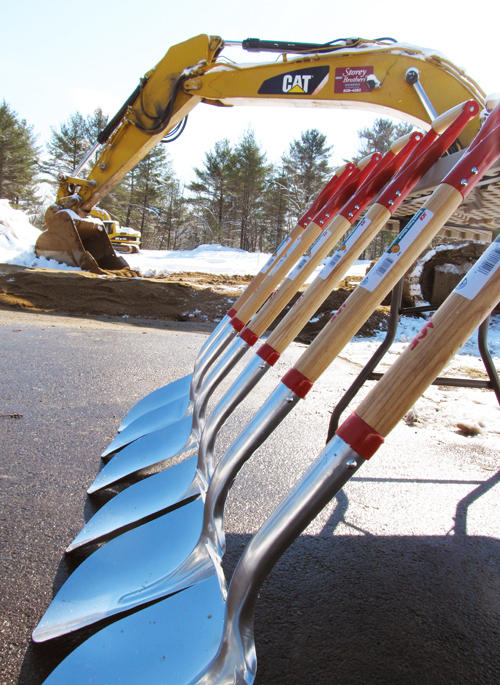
(397, 248)
(344, 248)
(282, 246)
(319, 242)
(285, 256)
(298, 82)
(353, 79)
(481, 272)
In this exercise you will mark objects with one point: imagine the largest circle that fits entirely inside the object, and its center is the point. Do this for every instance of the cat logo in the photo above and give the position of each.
(299, 82)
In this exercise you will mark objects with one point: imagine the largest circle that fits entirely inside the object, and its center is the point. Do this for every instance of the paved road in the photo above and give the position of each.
(396, 581)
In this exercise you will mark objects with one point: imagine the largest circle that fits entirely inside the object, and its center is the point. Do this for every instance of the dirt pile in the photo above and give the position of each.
(192, 297)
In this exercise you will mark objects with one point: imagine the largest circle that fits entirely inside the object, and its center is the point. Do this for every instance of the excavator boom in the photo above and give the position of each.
(380, 75)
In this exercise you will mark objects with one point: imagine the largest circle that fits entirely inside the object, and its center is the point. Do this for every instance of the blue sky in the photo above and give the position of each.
(57, 57)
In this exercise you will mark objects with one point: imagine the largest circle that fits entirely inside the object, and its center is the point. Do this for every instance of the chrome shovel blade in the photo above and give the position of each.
(152, 421)
(151, 450)
(145, 564)
(168, 393)
(168, 643)
(153, 495)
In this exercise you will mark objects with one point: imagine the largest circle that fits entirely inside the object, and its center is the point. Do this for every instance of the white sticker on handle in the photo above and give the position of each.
(318, 243)
(481, 272)
(397, 248)
(285, 257)
(282, 246)
(344, 248)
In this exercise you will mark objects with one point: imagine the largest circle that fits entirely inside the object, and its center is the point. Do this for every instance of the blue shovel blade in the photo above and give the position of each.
(168, 643)
(157, 398)
(152, 421)
(140, 566)
(153, 495)
(145, 453)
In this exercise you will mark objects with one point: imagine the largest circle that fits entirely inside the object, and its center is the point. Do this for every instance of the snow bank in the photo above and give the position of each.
(16, 232)
(18, 238)
(211, 259)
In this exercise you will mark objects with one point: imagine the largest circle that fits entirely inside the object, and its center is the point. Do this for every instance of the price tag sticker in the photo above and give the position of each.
(481, 272)
(396, 249)
(344, 248)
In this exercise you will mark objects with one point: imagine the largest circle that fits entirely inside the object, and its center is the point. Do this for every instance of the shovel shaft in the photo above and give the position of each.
(212, 338)
(280, 403)
(326, 281)
(276, 303)
(243, 385)
(260, 277)
(227, 362)
(218, 346)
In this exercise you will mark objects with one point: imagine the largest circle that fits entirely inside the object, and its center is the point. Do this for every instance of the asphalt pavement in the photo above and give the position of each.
(396, 581)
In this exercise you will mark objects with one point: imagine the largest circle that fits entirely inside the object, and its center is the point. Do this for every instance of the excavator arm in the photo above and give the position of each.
(388, 77)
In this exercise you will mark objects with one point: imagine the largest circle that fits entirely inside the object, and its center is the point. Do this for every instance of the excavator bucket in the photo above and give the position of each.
(76, 241)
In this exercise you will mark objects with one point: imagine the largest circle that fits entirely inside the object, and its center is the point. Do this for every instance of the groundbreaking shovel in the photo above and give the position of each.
(104, 585)
(188, 385)
(135, 459)
(204, 637)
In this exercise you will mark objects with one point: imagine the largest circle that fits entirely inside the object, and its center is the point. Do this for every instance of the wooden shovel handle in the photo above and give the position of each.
(341, 174)
(320, 288)
(277, 273)
(425, 357)
(442, 122)
(262, 320)
(259, 278)
(361, 304)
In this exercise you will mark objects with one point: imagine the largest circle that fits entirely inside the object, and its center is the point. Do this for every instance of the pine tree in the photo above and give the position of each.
(248, 179)
(276, 208)
(380, 136)
(306, 168)
(67, 146)
(18, 160)
(212, 199)
(148, 188)
(174, 218)
(70, 143)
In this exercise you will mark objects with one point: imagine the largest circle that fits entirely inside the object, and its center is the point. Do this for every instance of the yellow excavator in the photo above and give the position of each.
(123, 238)
(381, 75)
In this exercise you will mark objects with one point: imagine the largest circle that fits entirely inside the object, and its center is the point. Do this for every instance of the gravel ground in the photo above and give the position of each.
(396, 581)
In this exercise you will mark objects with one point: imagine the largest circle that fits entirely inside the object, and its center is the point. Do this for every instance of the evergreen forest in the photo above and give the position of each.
(237, 198)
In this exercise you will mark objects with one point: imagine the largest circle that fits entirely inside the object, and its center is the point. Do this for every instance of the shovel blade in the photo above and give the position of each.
(152, 421)
(153, 495)
(150, 451)
(168, 643)
(168, 393)
(140, 566)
